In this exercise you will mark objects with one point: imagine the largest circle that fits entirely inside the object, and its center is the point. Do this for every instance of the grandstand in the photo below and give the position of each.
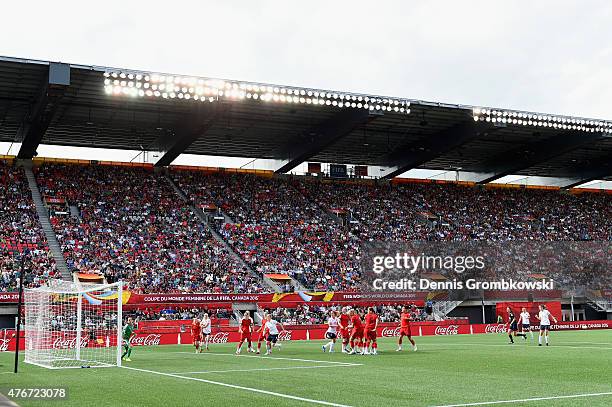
(187, 240)
(151, 223)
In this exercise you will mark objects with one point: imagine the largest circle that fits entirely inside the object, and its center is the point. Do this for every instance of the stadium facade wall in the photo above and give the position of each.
(592, 313)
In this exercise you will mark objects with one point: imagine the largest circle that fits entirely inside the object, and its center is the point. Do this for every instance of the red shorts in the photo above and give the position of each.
(405, 330)
(262, 337)
(195, 337)
(246, 336)
(370, 334)
(345, 333)
(357, 333)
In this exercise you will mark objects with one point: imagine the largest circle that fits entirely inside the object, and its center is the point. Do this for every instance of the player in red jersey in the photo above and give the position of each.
(371, 324)
(405, 330)
(356, 332)
(196, 334)
(245, 329)
(345, 321)
(263, 332)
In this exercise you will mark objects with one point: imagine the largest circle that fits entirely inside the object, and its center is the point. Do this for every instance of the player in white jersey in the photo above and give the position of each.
(272, 328)
(206, 329)
(525, 324)
(332, 331)
(544, 316)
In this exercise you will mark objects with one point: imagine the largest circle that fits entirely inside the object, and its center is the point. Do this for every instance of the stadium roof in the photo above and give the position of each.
(95, 106)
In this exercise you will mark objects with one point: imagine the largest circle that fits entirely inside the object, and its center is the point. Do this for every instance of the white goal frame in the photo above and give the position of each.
(59, 314)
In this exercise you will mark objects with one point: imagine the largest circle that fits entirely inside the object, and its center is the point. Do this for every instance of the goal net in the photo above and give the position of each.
(70, 324)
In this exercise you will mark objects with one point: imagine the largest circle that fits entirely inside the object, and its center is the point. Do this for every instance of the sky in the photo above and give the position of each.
(545, 56)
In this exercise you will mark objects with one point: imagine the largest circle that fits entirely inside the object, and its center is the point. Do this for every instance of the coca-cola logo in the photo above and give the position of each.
(495, 328)
(148, 340)
(447, 330)
(390, 332)
(284, 336)
(4, 344)
(219, 337)
(69, 343)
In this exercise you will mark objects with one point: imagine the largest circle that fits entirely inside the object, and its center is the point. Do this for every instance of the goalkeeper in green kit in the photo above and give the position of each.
(128, 331)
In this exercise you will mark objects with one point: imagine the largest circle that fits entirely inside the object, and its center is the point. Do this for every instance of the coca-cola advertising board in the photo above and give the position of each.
(4, 344)
(312, 332)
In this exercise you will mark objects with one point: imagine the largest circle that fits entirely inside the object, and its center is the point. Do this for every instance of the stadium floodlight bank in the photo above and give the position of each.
(73, 325)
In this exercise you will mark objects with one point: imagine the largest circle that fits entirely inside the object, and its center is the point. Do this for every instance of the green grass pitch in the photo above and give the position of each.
(446, 370)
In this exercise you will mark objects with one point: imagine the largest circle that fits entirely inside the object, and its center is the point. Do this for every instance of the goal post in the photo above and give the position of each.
(73, 325)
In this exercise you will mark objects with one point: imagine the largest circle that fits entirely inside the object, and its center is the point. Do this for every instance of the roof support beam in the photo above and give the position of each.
(591, 170)
(185, 134)
(418, 153)
(322, 136)
(37, 120)
(540, 151)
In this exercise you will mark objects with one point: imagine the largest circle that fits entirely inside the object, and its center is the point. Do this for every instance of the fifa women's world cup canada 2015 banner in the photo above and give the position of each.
(131, 298)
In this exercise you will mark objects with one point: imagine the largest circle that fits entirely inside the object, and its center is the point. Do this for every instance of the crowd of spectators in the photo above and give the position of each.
(450, 212)
(178, 313)
(311, 315)
(430, 212)
(132, 226)
(276, 229)
(21, 233)
(287, 225)
(499, 214)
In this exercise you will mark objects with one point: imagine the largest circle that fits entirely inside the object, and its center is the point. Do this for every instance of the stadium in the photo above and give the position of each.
(324, 270)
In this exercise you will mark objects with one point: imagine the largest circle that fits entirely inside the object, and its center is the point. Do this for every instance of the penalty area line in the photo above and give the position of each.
(233, 386)
(271, 368)
(263, 357)
(485, 403)
(518, 343)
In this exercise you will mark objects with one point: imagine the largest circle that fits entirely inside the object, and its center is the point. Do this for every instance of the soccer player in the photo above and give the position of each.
(206, 325)
(332, 331)
(371, 323)
(345, 321)
(512, 326)
(525, 325)
(196, 333)
(272, 328)
(544, 316)
(356, 332)
(128, 331)
(263, 332)
(405, 330)
(246, 328)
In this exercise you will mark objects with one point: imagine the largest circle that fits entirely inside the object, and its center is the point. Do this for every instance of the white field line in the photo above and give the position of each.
(272, 368)
(485, 403)
(518, 343)
(267, 357)
(6, 402)
(588, 343)
(233, 386)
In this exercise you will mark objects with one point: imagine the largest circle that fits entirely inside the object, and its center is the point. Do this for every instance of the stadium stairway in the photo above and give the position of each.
(74, 212)
(198, 212)
(442, 308)
(45, 222)
(600, 304)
